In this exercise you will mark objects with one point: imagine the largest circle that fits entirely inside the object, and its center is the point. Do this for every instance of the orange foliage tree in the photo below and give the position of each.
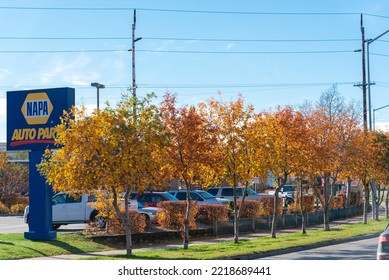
(232, 123)
(190, 148)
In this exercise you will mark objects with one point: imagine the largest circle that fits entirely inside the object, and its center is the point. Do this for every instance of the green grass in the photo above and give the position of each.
(15, 246)
(259, 245)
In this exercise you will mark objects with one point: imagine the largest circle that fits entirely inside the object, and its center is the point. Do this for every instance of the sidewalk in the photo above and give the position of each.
(176, 244)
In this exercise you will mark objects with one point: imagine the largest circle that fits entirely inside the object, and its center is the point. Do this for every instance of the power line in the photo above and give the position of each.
(247, 52)
(180, 52)
(178, 39)
(189, 11)
(247, 40)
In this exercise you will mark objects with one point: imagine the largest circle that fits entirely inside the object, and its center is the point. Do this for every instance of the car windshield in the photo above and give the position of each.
(288, 188)
(205, 195)
(212, 191)
(250, 191)
(169, 196)
(140, 205)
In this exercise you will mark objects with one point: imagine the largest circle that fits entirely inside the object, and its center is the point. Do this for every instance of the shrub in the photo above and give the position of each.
(173, 214)
(208, 213)
(267, 206)
(251, 208)
(137, 221)
(355, 198)
(3, 209)
(17, 208)
(308, 203)
(338, 201)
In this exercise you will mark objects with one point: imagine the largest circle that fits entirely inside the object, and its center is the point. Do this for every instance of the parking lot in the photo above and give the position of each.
(15, 224)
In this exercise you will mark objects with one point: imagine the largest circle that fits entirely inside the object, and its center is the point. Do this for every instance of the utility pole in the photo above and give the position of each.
(134, 40)
(364, 77)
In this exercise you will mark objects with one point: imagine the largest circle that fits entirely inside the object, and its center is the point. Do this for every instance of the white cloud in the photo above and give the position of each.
(4, 73)
(383, 126)
(3, 113)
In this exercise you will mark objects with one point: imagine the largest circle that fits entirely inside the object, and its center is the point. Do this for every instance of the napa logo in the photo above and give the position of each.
(37, 108)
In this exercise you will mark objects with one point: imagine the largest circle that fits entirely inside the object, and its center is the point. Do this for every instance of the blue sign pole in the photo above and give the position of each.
(31, 119)
(40, 212)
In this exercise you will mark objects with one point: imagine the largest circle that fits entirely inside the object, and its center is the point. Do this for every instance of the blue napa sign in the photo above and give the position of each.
(31, 119)
(32, 116)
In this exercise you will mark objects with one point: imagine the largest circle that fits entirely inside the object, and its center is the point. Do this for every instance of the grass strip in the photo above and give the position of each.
(15, 246)
(259, 245)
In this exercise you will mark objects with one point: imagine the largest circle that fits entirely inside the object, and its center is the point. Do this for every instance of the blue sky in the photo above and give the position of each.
(278, 52)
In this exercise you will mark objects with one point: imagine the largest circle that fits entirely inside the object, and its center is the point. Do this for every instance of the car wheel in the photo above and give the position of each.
(100, 222)
(56, 226)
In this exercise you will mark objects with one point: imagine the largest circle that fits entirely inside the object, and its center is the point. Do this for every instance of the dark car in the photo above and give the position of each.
(151, 199)
(383, 245)
(199, 196)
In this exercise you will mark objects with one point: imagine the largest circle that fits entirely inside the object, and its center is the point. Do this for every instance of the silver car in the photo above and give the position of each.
(200, 196)
(383, 245)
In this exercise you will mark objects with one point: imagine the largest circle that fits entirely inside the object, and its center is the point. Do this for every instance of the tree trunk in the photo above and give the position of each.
(373, 200)
(275, 214)
(326, 218)
(302, 210)
(236, 219)
(327, 193)
(186, 220)
(124, 219)
(387, 204)
(128, 237)
(366, 204)
(348, 192)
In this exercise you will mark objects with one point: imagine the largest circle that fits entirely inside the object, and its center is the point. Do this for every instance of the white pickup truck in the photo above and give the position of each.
(68, 209)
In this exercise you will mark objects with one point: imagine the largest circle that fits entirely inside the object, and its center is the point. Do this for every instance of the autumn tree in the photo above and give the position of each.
(114, 149)
(190, 148)
(13, 179)
(381, 172)
(334, 125)
(284, 148)
(232, 122)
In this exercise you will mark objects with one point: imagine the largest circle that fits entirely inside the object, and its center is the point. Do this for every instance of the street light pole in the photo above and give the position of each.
(368, 42)
(374, 110)
(98, 86)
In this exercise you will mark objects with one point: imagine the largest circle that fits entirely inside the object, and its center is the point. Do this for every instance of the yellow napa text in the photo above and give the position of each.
(33, 134)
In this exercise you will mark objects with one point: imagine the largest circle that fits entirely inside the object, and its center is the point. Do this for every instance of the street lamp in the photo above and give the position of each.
(98, 86)
(368, 42)
(374, 110)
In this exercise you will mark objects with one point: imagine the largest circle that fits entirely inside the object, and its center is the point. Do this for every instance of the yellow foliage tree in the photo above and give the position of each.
(114, 149)
(284, 148)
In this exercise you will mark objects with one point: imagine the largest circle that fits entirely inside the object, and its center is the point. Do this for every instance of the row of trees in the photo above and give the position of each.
(139, 144)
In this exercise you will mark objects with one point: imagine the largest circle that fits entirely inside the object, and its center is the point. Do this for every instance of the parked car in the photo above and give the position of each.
(69, 209)
(151, 199)
(287, 191)
(200, 196)
(149, 212)
(383, 245)
(228, 193)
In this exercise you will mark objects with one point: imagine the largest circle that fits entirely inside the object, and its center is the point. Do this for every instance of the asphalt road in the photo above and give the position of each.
(364, 249)
(15, 224)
